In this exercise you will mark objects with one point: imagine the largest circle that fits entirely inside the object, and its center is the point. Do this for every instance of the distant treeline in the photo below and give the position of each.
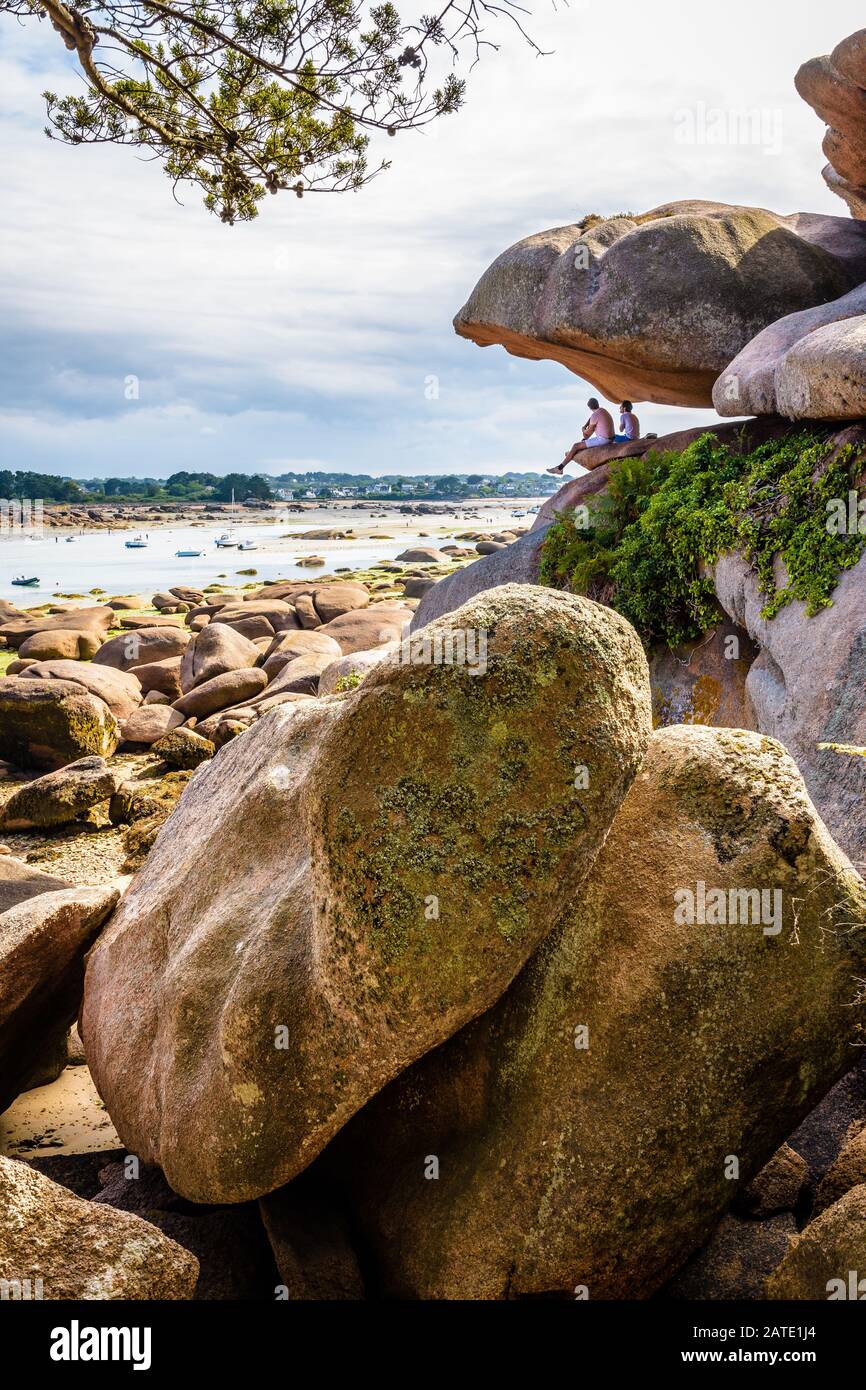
(184, 486)
(38, 485)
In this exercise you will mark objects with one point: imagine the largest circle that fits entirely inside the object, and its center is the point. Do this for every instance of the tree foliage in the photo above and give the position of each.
(248, 97)
(34, 487)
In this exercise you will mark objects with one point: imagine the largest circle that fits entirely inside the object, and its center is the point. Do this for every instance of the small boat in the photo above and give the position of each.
(226, 541)
(69, 539)
(248, 545)
(26, 583)
(137, 543)
(188, 554)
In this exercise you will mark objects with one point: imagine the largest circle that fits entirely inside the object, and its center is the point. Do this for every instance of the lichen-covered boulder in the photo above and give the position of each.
(847, 1170)
(653, 308)
(351, 881)
(829, 1259)
(59, 797)
(183, 748)
(347, 672)
(54, 1245)
(591, 1128)
(48, 723)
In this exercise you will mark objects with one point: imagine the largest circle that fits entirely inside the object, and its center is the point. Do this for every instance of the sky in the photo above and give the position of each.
(319, 336)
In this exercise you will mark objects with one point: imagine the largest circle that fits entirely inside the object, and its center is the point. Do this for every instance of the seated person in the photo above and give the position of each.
(629, 424)
(597, 430)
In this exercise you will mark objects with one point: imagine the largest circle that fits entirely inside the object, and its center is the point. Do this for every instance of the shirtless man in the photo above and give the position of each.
(597, 430)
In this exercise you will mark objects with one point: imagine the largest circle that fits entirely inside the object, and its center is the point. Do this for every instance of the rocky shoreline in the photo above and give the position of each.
(487, 924)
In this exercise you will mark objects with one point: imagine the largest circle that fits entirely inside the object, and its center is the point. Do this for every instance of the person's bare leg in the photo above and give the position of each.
(569, 458)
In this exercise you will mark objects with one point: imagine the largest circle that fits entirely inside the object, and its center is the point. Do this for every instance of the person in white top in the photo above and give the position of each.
(597, 430)
(629, 424)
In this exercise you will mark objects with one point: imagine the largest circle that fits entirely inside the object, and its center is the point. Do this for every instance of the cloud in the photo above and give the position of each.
(313, 332)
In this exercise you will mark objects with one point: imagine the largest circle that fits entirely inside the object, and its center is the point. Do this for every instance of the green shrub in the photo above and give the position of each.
(643, 546)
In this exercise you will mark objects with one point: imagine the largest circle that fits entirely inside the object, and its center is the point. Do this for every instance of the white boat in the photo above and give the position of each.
(188, 554)
(137, 543)
(248, 545)
(226, 541)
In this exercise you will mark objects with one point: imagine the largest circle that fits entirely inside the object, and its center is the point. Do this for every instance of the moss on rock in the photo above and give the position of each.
(48, 723)
(584, 1126)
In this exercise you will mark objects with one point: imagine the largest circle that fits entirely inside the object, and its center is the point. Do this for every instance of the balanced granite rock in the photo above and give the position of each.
(396, 857)
(793, 367)
(54, 1245)
(834, 85)
(584, 1132)
(655, 307)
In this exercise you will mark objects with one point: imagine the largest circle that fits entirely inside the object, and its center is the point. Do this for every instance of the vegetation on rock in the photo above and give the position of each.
(645, 545)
